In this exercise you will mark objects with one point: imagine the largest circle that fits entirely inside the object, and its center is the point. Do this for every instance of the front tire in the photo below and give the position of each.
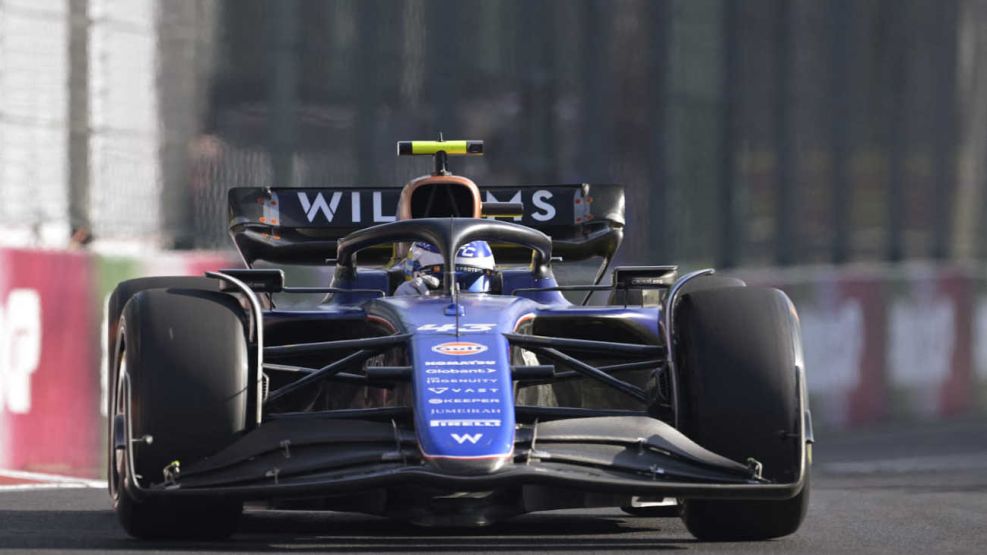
(738, 349)
(182, 355)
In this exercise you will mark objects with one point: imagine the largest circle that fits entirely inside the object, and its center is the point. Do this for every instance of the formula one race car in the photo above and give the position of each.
(406, 390)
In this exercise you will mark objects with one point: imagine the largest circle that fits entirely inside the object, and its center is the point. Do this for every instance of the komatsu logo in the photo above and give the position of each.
(459, 348)
(459, 363)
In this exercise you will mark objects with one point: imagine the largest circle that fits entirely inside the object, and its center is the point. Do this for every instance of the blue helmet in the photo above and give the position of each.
(474, 264)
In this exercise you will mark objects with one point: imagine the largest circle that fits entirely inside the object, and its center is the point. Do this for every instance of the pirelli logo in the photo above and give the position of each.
(476, 423)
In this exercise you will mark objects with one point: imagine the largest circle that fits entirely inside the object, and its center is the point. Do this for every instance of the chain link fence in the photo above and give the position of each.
(33, 121)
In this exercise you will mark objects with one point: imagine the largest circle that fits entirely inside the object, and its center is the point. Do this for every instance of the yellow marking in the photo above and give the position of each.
(431, 147)
(449, 147)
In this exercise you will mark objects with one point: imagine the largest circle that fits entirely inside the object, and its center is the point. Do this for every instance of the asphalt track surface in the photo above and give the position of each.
(914, 489)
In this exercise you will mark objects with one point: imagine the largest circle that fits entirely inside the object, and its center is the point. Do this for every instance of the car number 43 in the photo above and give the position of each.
(463, 328)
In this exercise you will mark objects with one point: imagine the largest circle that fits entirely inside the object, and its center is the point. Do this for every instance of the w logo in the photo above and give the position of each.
(312, 208)
(463, 438)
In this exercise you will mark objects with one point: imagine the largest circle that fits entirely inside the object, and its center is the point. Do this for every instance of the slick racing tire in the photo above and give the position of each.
(660, 407)
(127, 289)
(737, 350)
(707, 282)
(114, 309)
(182, 357)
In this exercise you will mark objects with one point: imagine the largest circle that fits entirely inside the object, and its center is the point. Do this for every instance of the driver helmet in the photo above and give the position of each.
(474, 264)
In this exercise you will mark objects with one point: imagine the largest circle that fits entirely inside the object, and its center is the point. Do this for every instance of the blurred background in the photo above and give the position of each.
(748, 133)
(833, 148)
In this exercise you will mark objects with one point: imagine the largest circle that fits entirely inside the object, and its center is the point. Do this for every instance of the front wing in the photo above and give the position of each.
(630, 455)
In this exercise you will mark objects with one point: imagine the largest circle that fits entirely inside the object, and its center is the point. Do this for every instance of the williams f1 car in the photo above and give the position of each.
(681, 396)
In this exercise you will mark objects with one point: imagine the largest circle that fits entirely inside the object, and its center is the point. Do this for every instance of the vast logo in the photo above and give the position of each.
(459, 348)
(463, 438)
(441, 390)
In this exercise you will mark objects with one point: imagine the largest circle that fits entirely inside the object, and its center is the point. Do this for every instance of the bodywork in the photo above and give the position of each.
(453, 408)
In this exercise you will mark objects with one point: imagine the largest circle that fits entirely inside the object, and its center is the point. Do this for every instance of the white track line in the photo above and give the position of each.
(42, 486)
(48, 480)
(931, 463)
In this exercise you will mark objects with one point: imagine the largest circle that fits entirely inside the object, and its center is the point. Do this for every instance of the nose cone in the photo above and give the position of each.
(464, 401)
(470, 466)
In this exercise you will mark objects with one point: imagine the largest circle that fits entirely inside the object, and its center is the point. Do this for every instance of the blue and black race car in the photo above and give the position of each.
(444, 377)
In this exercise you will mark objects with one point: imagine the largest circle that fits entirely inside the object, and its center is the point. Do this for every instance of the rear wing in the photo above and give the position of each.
(303, 225)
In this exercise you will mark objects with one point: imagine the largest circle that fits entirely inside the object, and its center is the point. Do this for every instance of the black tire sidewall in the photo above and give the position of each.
(737, 352)
(187, 363)
(737, 349)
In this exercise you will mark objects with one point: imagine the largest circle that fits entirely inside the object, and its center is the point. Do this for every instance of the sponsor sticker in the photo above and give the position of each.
(473, 381)
(456, 401)
(479, 423)
(460, 370)
(464, 410)
(462, 438)
(463, 328)
(441, 390)
(459, 348)
(460, 362)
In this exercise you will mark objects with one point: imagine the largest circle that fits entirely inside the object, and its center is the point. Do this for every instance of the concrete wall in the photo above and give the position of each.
(52, 385)
(890, 342)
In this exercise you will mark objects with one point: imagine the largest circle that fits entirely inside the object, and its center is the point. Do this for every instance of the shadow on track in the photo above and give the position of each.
(279, 531)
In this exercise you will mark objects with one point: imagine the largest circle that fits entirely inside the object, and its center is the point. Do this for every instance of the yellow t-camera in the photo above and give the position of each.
(457, 148)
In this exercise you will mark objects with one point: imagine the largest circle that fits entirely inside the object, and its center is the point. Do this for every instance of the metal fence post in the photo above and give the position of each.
(896, 126)
(730, 241)
(786, 186)
(658, 60)
(942, 187)
(840, 31)
(78, 115)
(594, 149)
(283, 92)
(367, 91)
